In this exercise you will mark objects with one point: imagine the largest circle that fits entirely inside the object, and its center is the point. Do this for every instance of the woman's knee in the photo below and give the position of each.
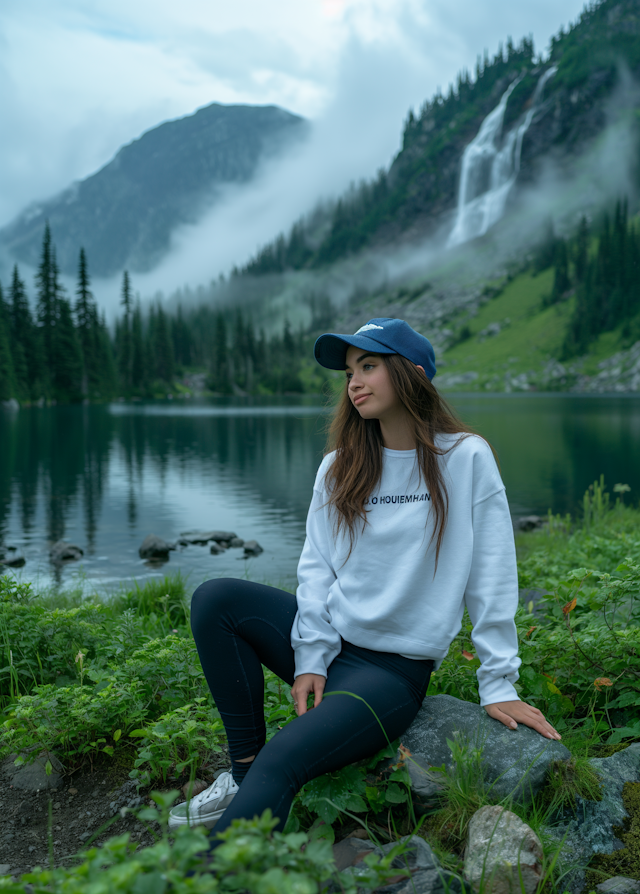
(210, 602)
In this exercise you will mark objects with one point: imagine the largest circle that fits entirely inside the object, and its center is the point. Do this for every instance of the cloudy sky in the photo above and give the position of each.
(78, 78)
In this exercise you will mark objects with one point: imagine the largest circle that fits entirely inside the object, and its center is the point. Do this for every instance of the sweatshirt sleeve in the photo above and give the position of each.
(491, 598)
(315, 642)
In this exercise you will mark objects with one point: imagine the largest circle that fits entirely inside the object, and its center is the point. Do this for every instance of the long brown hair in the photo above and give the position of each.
(357, 466)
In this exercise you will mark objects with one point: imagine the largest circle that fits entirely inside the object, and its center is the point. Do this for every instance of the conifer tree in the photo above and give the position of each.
(561, 281)
(7, 377)
(138, 368)
(22, 337)
(86, 321)
(124, 347)
(46, 307)
(68, 368)
(220, 360)
(162, 347)
(582, 250)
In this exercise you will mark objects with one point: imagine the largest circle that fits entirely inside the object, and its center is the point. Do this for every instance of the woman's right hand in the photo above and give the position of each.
(305, 685)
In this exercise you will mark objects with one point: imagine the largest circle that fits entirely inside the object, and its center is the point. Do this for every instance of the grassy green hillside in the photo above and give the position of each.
(529, 339)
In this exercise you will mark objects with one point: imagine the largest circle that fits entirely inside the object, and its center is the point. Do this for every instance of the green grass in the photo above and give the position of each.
(535, 335)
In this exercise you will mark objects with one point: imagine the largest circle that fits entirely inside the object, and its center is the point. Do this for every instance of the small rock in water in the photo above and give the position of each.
(503, 854)
(252, 548)
(65, 552)
(216, 548)
(236, 542)
(154, 547)
(14, 560)
(201, 538)
(530, 522)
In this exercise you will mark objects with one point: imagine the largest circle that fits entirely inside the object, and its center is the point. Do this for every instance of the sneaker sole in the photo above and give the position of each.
(175, 822)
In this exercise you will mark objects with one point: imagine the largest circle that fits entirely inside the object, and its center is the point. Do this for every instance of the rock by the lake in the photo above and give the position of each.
(65, 552)
(154, 547)
(531, 522)
(201, 538)
(216, 548)
(503, 855)
(13, 560)
(590, 830)
(33, 777)
(427, 876)
(619, 884)
(514, 762)
(236, 542)
(252, 548)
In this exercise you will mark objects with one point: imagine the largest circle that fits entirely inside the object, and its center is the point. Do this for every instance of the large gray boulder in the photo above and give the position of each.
(154, 547)
(514, 762)
(503, 854)
(589, 830)
(65, 552)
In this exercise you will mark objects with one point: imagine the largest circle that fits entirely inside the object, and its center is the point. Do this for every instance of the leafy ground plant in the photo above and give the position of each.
(252, 857)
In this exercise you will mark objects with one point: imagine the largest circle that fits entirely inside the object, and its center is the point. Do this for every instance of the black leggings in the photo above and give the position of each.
(238, 626)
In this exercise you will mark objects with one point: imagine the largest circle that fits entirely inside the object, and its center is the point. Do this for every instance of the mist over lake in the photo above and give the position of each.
(104, 477)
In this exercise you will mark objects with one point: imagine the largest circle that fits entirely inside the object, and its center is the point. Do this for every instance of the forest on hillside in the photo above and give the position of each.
(63, 351)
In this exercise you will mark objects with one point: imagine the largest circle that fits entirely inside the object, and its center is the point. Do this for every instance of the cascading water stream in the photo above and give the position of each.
(489, 170)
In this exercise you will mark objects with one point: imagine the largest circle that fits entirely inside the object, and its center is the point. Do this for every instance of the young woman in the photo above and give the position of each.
(408, 524)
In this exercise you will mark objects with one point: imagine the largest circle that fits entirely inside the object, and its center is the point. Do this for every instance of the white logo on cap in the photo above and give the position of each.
(367, 328)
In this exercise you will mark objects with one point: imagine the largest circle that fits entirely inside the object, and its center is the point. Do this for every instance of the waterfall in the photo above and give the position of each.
(490, 167)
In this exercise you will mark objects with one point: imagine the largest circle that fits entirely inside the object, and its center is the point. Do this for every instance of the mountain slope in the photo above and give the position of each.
(417, 195)
(125, 213)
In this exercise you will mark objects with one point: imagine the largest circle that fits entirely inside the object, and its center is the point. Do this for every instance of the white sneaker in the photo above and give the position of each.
(206, 808)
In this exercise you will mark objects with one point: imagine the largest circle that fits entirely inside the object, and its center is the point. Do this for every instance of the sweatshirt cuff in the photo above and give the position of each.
(497, 689)
(313, 658)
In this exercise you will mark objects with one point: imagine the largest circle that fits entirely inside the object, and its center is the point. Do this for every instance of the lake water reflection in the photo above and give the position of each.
(104, 477)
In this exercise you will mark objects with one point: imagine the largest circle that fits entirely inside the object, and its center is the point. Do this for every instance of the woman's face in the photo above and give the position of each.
(369, 386)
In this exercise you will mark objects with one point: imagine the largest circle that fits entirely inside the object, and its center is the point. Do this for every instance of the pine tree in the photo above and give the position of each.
(561, 281)
(22, 338)
(8, 388)
(46, 308)
(124, 347)
(138, 369)
(86, 319)
(220, 360)
(582, 250)
(68, 368)
(163, 349)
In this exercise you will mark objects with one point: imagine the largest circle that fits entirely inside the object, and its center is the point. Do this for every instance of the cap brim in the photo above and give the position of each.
(330, 350)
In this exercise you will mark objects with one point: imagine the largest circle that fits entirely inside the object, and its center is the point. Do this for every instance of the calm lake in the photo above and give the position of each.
(103, 477)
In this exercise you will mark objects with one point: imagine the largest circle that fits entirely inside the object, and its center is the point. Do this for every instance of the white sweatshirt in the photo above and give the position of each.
(387, 596)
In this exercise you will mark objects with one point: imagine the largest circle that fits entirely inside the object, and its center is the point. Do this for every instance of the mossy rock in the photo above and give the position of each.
(626, 860)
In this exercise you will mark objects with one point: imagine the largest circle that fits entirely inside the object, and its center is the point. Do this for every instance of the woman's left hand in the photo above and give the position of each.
(512, 713)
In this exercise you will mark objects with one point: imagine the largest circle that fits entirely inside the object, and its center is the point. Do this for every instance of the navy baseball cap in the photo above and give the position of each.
(381, 335)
